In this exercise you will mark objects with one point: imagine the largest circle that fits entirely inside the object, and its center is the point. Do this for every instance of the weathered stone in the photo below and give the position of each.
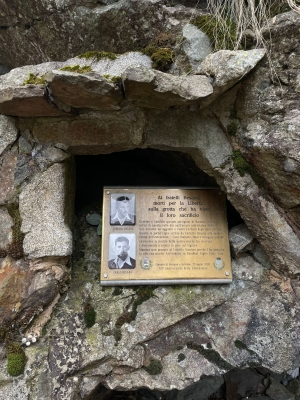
(79, 26)
(294, 387)
(85, 91)
(25, 143)
(93, 132)
(8, 190)
(278, 392)
(47, 155)
(8, 132)
(226, 68)
(241, 383)
(192, 133)
(25, 168)
(6, 222)
(27, 101)
(200, 390)
(25, 291)
(241, 239)
(155, 89)
(196, 44)
(43, 213)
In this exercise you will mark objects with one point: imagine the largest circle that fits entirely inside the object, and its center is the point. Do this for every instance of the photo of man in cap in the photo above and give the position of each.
(122, 209)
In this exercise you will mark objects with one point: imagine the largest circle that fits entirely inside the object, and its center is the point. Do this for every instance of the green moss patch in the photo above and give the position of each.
(211, 355)
(154, 367)
(243, 167)
(15, 248)
(89, 315)
(35, 80)
(232, 128)
(16, 359)
(77, 69)
(98, 55)
(222, 36)
(181, 357)
(160, 50)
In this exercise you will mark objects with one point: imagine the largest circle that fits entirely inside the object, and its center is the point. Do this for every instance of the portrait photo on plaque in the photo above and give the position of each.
(122, 209)
(122, 251)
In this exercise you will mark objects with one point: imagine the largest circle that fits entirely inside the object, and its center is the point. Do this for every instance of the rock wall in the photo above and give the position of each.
(237, 117)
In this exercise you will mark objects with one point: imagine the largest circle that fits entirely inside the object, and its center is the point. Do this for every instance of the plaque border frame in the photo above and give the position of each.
(139, 282)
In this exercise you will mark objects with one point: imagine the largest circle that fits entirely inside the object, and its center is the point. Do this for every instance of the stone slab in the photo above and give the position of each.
(43, 204)
(89, 90)
(7, 169)
(155, 89)
(8, 132)
(6, 222)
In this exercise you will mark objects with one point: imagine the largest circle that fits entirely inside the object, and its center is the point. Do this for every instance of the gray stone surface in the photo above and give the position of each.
(155, 89)
(64, 29)
(7, 167)
(42, 208)
(8, 132)
(240, 238)
(226, 68)
(6, 222)
(196, 44)
(278, 392)
(90, 90)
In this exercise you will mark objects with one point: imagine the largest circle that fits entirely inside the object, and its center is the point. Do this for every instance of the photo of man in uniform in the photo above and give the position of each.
(122, 208)
(121, 248)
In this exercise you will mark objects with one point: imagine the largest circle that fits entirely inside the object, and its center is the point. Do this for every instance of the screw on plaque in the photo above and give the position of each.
(105, 275)
(227, 273)
(108, 192)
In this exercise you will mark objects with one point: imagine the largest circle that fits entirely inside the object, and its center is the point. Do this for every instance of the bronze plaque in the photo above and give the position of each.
(164, 236)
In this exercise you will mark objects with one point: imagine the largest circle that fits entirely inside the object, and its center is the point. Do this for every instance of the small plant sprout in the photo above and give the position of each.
(95, 220)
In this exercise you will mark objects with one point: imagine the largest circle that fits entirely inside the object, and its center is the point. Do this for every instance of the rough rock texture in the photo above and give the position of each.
(154, 89)
(8, 132)
(85, 91)
(227, 67)
(35, 285)
(196, 44)
(7, 168)
(247, 141)
(75, 27)
(43, 204)
(6, 222)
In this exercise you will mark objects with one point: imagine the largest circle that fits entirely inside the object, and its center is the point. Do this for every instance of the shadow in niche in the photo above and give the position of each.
(139, 167)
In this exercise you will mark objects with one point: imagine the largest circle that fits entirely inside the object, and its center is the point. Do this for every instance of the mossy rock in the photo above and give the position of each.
(243, 167)
(232, 128)
(98, 55)
(154, 367)
(35, 80)
(16, 359)
(77, 69)
(89, 316)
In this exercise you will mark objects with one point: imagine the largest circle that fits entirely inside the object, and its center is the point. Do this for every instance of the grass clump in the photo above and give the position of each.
(221, 36)
(16, 359)
(113, 79)
(77, 69)
(98, 55)
(243, 167)
(154, 367)
(15, 248)
(89, 315)
(35, 80)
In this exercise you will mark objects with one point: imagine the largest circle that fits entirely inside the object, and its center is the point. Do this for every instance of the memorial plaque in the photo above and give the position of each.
(164, 236)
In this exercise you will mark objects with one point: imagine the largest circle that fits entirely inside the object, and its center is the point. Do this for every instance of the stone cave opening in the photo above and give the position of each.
(141, 168)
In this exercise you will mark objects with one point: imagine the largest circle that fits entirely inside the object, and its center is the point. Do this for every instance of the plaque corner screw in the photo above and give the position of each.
(227, 273)
(105, 275)
(107, 192)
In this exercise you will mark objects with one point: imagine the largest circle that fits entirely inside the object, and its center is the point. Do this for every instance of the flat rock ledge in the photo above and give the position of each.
(59, 88)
